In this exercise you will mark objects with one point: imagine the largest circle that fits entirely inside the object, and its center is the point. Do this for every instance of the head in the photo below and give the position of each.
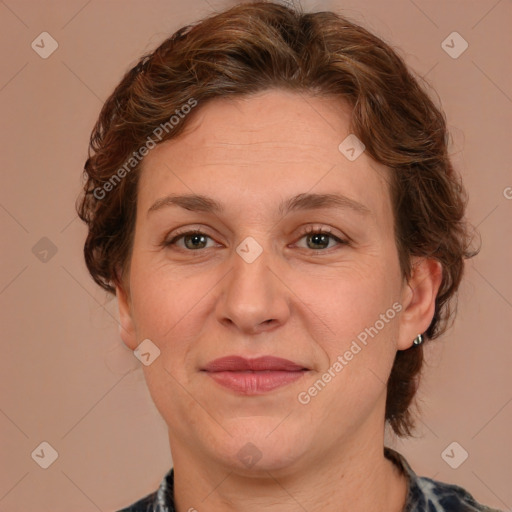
(248, 109)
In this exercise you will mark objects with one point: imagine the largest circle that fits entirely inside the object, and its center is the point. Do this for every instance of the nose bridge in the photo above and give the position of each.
(253, 298)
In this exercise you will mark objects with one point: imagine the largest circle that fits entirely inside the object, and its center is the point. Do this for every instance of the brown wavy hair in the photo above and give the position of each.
(257, 46)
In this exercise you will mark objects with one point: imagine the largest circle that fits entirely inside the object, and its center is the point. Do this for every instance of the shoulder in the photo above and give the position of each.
(428, 495)
(161, 500)
(432, 495)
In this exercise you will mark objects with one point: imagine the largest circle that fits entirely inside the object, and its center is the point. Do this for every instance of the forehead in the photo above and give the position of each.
(264, 146)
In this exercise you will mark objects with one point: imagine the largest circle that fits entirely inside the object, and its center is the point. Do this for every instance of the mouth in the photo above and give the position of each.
(254, 376)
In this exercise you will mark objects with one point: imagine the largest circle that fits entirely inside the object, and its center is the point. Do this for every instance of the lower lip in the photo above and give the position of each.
(257, 382)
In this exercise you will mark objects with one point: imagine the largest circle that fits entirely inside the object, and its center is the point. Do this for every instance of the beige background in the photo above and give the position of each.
(65, 376)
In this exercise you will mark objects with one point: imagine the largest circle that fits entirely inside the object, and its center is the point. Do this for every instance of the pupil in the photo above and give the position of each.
(195, 238)
(317, 239)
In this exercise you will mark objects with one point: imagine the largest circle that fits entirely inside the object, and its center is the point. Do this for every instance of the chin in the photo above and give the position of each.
(249, 460)
(258, 445)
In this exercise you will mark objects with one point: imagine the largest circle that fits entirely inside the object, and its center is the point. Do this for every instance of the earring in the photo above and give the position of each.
(418, 340)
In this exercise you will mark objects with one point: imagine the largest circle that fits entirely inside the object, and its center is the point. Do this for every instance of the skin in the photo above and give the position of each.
(301, 299)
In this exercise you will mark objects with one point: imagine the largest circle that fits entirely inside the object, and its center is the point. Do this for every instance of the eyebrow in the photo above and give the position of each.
(305, 201)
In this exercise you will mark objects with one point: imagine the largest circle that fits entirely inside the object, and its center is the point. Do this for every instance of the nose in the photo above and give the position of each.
(254, 297)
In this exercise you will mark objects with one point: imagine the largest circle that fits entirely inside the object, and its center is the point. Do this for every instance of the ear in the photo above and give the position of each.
(127, 326)
(419, 300)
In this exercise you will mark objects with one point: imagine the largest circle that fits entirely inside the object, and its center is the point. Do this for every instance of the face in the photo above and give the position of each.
(298, 262)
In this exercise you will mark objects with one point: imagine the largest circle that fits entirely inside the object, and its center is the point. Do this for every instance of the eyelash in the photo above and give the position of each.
(305, 232)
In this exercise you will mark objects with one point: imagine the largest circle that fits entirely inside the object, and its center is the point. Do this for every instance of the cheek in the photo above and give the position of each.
(173, 308)
(359, 324)
(359, 328)
(162, 297)
(167, 310)
(351, 301)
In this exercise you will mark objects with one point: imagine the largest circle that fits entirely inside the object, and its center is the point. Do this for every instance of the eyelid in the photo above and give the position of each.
(325, 228)
(184, 231)
(341, 239)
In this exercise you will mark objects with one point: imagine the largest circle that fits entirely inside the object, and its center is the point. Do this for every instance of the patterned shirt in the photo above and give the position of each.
(423, 494)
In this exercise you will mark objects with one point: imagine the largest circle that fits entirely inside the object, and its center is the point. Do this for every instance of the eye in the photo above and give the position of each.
(192, 240)
(319, 238)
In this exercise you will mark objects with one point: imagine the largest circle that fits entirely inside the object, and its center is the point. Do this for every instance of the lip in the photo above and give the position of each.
(254, 376)
(258, 364)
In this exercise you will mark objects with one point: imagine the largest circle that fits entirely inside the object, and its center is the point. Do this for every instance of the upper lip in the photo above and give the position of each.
(264, 363)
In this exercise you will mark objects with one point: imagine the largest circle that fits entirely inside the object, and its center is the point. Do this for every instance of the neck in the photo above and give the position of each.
(355, 478)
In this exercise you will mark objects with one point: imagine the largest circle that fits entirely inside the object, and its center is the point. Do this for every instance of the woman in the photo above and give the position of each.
(270, 197)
